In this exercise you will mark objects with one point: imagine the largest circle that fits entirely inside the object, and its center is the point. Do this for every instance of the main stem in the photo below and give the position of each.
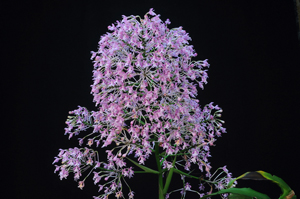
(160, 178)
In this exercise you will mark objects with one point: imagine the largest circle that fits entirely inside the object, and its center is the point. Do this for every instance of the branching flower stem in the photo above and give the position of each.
(160, 177)
(169, 178)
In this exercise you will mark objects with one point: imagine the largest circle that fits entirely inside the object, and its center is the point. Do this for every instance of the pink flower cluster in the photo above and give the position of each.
(144, 92)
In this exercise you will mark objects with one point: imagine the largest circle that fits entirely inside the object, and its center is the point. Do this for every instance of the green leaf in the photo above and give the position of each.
(232, 181)
(245, 192)
(287, 192)
(148, 170)
(253, 176)
(238, 196)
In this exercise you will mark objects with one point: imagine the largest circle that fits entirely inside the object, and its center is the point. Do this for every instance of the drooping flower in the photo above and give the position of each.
(81, 184)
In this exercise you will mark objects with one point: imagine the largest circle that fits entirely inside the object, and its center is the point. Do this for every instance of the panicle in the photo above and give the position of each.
(144, 89)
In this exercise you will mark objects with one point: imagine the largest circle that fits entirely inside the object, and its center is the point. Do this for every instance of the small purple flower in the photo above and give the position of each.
(119, 194)
(201, 187)
(81, 185)
(187, 186)
(167, 196)
(80, 141)
(100, 187)
(56, 160)
(63, 173)
(96, 177)
(131, 195)
(225, 169)
(151, 12)
(167, 21)
(77, 175)
(57, 168)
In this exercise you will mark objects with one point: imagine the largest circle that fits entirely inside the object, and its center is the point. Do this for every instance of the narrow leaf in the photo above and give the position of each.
(245, 192)
(238, 196)
(287, 192)
(232, 181)
(253, 176)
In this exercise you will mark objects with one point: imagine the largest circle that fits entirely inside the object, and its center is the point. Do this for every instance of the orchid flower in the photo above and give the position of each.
(144, 89)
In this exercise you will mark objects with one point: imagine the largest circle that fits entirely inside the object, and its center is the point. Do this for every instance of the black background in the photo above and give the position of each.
(253, 50)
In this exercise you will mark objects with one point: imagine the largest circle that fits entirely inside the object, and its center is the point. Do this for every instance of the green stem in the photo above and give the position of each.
(195, 177)
(164, 160)
(185, 174)
(160, 178)
(169, 178)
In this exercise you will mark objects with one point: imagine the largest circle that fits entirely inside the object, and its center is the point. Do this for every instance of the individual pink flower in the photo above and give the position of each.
(131, 195)
(151, 12)
(81, 185)
(187, 186)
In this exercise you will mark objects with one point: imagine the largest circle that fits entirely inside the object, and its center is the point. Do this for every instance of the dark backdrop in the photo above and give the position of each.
(253, 50)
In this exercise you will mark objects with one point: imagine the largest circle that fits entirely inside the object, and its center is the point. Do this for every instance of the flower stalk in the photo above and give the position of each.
(160, 177)
(169, 177)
